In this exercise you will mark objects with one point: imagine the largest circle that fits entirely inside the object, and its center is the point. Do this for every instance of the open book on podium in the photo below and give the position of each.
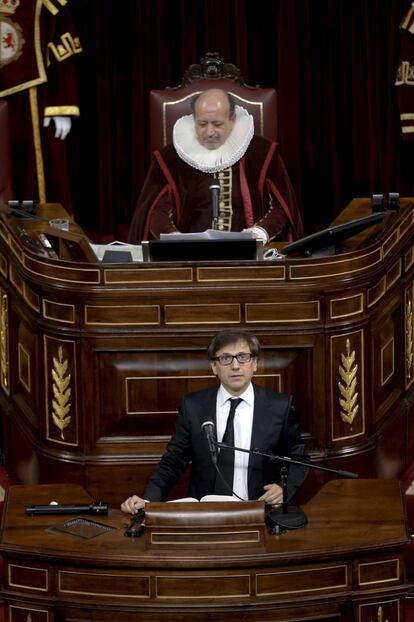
(209, 245)
(187, 523)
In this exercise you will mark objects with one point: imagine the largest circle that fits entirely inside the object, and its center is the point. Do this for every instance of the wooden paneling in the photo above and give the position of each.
(95, 358)
(346, 564)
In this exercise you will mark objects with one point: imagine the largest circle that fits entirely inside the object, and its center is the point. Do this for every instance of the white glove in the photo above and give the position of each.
(62, 125)
(259, 234)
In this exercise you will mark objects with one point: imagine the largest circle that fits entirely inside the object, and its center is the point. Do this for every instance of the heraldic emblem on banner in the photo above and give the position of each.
(11, 36)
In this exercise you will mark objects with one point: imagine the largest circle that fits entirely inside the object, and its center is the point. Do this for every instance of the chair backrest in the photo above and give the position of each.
(166, 106)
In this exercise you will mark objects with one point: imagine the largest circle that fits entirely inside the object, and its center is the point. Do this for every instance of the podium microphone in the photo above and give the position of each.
(97, 508)
(215, 193)
(208, 428)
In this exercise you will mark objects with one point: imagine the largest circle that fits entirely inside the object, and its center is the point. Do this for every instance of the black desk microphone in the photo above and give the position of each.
(97, 509)
(215, 193)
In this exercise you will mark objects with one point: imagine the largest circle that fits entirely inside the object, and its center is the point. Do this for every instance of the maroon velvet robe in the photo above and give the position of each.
(39, 81)
(176, 196)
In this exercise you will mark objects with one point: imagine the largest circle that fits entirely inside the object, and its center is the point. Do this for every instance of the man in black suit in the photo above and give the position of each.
(263, 420)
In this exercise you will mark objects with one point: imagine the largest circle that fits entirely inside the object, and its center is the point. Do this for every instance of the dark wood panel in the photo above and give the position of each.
(94, 359)
(345, 564)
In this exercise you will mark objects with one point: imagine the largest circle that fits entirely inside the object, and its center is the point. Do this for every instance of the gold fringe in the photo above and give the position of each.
(408, 21)
(50, 7)
(37, 145)
(69, 45)
(48, 4)
(62, 111)
(225, 216)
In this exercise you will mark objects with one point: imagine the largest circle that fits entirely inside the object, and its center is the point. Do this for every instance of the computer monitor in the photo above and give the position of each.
(326, 242)
(202, 250)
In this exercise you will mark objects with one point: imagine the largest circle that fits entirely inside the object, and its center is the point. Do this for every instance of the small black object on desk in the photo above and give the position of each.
(97, 508)
(137, 526)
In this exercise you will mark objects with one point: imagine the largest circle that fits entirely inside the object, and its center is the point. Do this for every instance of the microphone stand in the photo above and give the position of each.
(287, 516)
(215, 190)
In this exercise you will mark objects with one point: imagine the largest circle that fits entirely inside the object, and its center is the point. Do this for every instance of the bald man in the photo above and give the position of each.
(217, 143)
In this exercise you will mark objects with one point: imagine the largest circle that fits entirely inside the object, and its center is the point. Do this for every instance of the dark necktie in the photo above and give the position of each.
(226, 457)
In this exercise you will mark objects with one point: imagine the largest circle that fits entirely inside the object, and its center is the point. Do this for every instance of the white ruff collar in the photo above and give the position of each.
(213, 160)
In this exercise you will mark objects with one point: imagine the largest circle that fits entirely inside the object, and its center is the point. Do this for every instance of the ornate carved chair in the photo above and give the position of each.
(166, 106)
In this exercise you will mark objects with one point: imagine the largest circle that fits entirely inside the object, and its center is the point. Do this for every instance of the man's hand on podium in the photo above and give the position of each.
(273, 494)
(133, 504)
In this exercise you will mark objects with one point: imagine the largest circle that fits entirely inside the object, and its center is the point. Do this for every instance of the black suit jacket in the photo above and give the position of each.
(275, 431)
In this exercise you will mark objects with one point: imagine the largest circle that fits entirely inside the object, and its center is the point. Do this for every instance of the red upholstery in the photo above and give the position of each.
(166, 106)
(5, 154)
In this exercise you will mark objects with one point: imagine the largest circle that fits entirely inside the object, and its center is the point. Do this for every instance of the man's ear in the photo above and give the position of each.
(213, 367)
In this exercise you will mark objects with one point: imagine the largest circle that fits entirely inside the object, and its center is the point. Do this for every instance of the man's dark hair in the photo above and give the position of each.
(230, 99)
(228, 337)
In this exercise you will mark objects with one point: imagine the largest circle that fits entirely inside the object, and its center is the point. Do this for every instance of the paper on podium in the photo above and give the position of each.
(206, 498)
(208, 234)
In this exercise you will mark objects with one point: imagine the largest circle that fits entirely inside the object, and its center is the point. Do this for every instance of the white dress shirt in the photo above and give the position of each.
(243, 422)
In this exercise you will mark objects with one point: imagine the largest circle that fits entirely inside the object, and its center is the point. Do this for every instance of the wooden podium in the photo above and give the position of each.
(346, 564)
(204, 525)
(94, 358)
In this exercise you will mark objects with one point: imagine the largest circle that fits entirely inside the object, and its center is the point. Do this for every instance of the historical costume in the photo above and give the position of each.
(37, 77)
(255, 190)
(405, 75)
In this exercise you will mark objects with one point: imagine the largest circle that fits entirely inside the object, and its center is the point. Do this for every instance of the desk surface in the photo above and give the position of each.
(346, 564)
(346, 516)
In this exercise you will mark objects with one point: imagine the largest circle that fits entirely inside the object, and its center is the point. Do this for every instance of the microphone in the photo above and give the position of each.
(208, 427)
(97, 508)
(215, 192)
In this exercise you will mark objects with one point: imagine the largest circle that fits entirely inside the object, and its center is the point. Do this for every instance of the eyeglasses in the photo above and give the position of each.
(227, 359)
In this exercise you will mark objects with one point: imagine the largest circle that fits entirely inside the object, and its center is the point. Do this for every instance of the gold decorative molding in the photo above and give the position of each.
(28, 577)
(16, 612)
(388, 569)
(122, 315)
(387, 361)
(4, 344)
(346, 306)
(58, 311)
(292, 312)
(409, 339)
(23, 365)
(348, 372)
(61, 392)
(149, 276)
(218, 274)
(380, 615)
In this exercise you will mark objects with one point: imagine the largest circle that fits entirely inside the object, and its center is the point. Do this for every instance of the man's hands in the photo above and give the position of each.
(62, 126)
(133, 504)
(273, 494)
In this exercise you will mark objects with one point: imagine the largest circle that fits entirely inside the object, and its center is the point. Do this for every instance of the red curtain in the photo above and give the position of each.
(333, 63)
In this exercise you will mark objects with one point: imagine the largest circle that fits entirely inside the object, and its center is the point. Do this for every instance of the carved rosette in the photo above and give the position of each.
(409, 340)
(61, 393)
(348, 386)
(4, 343)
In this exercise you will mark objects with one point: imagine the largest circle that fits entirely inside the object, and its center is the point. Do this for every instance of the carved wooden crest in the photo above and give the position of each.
(212, 67)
